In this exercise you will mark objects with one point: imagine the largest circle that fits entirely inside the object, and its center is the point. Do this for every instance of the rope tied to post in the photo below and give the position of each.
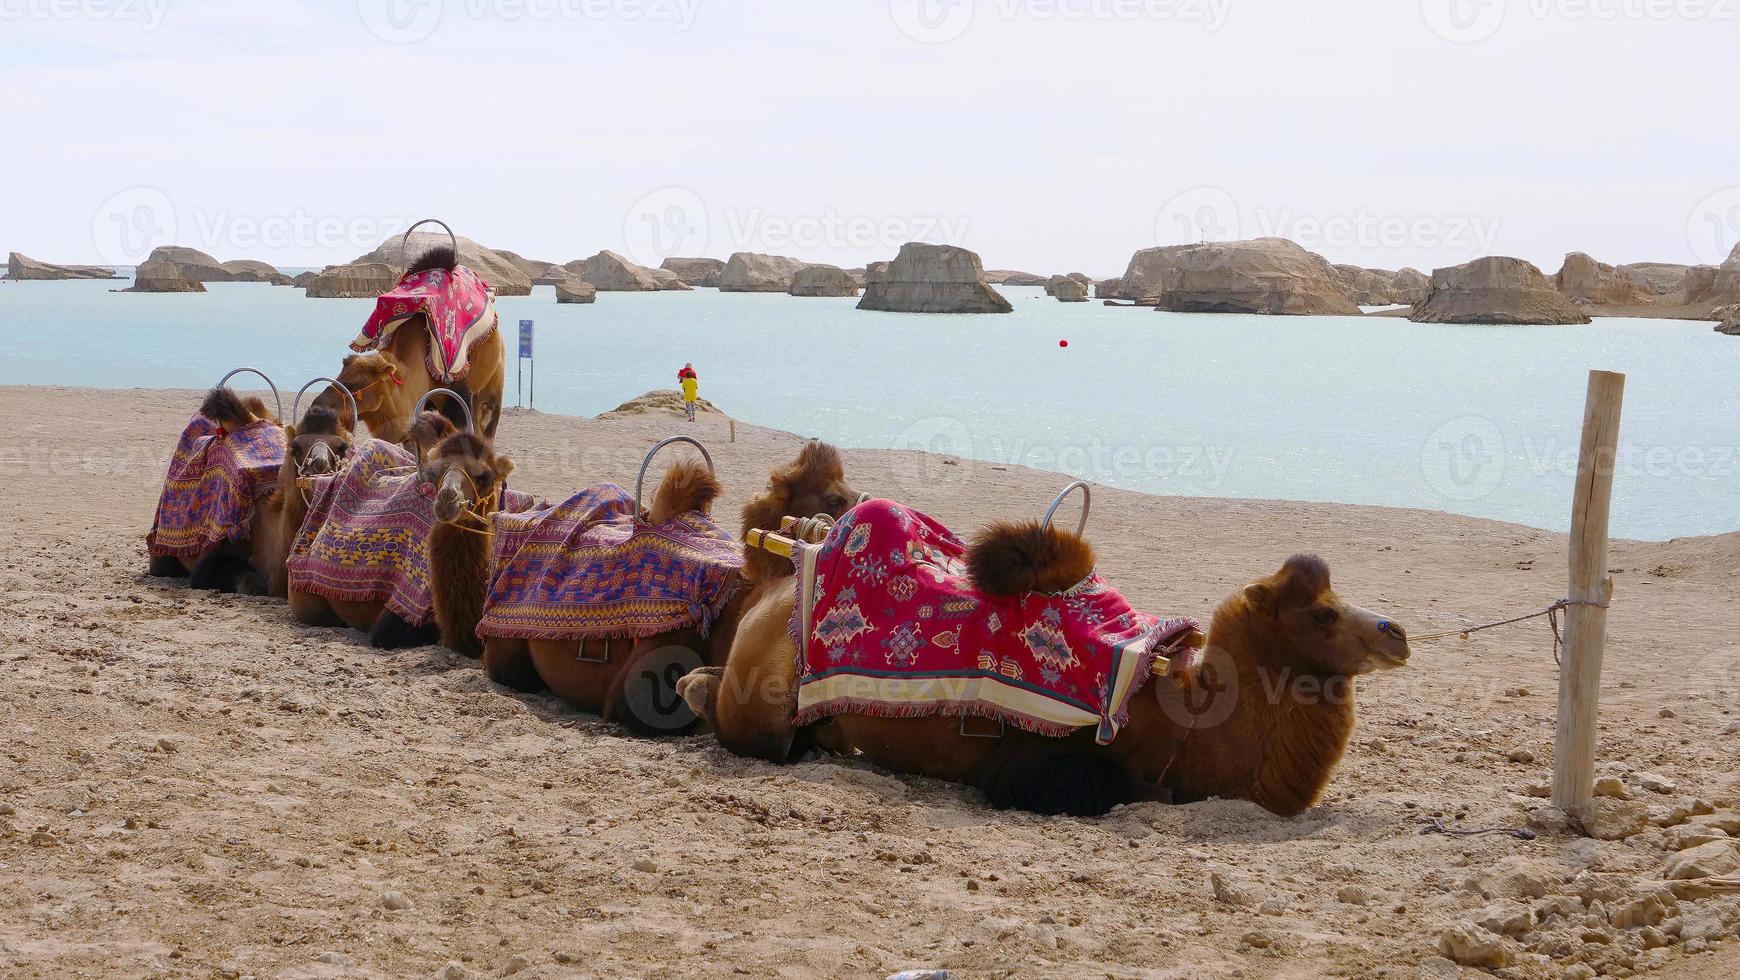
(1551, 613)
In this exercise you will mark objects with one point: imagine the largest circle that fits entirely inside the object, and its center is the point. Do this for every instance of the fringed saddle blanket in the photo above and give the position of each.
(366, 537)
(899, 631)
(590, 568)
(213, 482)
(455, 304)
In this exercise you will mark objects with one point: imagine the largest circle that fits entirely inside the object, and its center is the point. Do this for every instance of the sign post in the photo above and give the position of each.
(526, 355)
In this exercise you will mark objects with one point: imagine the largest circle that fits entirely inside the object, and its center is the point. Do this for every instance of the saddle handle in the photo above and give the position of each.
(1087, 503)
(296, 406)
(248, 370)
(646, 464)
(405, 243)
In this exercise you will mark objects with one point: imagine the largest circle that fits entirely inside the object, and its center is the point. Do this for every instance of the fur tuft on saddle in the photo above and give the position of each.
(455, 304)
(589, 568)
(909, 622)
(218, 473)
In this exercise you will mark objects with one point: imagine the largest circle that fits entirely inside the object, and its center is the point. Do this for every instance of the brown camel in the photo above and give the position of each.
(468, 477)
(388, 383)
(232, 411)
(632, 682)
(1263, 714)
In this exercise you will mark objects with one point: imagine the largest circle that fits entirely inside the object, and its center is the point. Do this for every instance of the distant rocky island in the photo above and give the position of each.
(1264, 276)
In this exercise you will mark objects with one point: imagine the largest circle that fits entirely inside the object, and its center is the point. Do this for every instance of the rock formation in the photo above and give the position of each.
(1730, 324)
(1588, 282)
(1495, 289)
(931, 279)
(823, 280)
(668, 280)
(611, 273)
(23, 267)
(552, 275)
(1264, 275)
(1070, 291)
(1700, 284)
(1727, 285)
(1659, 278)
(1005, 277)
(1411, 286)
(1108, 288)
(163, 275)
(304, 280)
(1080, 277)
(250, 270)
(530, 268)
(576, 290)
(1381, 287)
(696, 272)
(752, 272)
(355, 280)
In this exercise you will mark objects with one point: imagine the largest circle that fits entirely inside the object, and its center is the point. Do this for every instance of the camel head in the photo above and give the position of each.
(319, 444)
(1298, 619)
(814, 483)
(463, 467)
(373, 379)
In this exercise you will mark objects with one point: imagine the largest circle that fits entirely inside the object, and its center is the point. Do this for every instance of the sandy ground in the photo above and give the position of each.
(193, 786)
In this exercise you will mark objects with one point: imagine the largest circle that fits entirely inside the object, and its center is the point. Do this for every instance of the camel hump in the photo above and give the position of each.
(688, 485)
(432, 427)
(227, 409)
(1015, 558)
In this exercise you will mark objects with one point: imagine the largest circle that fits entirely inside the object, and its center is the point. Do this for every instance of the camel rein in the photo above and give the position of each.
(1551, 613)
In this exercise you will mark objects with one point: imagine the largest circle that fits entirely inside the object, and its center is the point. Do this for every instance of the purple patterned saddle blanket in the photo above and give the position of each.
(214, 480)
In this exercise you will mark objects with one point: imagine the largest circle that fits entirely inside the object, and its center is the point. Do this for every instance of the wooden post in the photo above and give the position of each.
(733, 430)
(1586, 625)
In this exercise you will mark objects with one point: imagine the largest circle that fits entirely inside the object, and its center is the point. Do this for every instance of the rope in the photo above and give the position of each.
(1434, 825)
(1551, 613)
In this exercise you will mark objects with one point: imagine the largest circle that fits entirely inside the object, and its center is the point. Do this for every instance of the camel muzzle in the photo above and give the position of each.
(450, 498)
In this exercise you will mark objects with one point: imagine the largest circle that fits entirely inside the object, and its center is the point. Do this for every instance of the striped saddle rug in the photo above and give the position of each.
(900, 632)
(214, 480)
(366, 537)
(590, 568)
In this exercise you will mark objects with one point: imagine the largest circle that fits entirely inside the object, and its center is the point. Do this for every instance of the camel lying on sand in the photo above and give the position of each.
(232, 412)
(630, 682)
(316, 447)
(388, 383)
(1264, 713)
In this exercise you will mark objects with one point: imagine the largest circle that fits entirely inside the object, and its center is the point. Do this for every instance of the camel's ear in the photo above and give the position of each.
(1261, 597)
(504, 467)
(290, 432)
(430, 428)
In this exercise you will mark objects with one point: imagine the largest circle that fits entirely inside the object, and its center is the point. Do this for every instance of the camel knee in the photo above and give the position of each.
(509, 663)
(166, 566)
(699, 689)
(311, 610)
(392, 632)
(643, 696)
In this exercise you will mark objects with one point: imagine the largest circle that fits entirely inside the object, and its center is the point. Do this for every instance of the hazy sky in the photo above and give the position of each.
(1048, 135)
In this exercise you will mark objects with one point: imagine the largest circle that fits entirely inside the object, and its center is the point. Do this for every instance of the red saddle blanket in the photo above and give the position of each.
(213, 482)
(899, 631)
(455, 304)
(366, 536)
(588, 567)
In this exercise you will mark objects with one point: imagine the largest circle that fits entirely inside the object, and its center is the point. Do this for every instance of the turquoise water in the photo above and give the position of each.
(1473, 420)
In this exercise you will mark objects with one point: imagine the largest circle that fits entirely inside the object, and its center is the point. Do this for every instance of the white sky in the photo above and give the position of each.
(1048, 135)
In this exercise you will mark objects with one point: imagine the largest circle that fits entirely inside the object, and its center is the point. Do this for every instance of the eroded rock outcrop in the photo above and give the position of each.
(1381, 287)
(24, 268)
(1108, 288)
(162, 275)
(696, 271)
(753, 272)
(611, 273)
(1495, 289)
(552, 275)
(530, 268)
(669, 281)
(354, 280)
(1583, 280)
(1070, 291)
(1271, 276)
(1658, 278)
(252, 270)
(927, 278)
(1007, 277)
(576, 290)
(823, 280)
(1051, 284)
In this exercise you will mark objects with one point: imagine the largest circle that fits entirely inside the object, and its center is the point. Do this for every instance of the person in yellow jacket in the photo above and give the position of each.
(691, 389)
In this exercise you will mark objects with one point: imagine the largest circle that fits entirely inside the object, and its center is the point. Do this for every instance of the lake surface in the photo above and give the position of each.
(1482, 421)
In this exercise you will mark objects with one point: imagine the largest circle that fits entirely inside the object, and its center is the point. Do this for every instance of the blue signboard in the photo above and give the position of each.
(525, 338)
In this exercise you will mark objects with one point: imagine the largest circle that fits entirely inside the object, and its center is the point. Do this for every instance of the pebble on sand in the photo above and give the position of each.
(396, 902)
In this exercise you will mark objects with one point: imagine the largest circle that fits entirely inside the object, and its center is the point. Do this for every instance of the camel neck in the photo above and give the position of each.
(459, 572)
(1280, 739)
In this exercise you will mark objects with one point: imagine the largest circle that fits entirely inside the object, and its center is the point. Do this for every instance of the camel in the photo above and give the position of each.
(632, 682)
(388, 383)
(1262, 711)
(314, 448)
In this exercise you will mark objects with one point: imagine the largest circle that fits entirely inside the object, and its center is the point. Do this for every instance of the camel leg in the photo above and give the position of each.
(643, 695)
(225, 573)
(757, 694)
(1056, 776)
(392, 632)
(312, 610)
(509, 663)
(167, 566)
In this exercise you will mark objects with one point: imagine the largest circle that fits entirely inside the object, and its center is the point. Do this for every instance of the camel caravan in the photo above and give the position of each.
(831, 622)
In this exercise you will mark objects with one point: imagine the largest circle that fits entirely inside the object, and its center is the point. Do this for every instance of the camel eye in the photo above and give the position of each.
(835, 502)
(1325, 617)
